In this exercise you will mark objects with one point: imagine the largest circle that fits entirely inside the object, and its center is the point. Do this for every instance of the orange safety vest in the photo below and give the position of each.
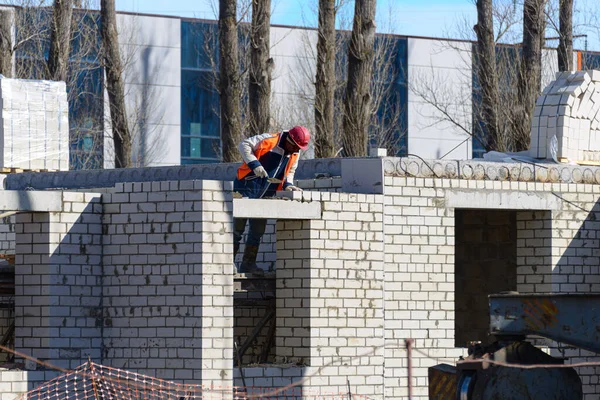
(263, 148)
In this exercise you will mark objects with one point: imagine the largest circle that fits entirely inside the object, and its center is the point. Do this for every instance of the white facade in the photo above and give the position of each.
(151, 48)
(436, 67)
(443, 68)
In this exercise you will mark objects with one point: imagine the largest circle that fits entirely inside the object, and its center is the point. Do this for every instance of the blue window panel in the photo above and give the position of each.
(30, 68)
(211, 148)
(84, 84)
(590, 60)
(190, 147)
(478, 140)
(200, 105)
(392, 113)
(86, 42)
(199, 45)
(86, 94)
(86, 117)
(30, 22)
(189, 161)
(200, 110)
(199, 116)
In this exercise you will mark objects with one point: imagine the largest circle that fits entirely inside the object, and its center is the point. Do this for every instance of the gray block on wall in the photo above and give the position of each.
(362, 175)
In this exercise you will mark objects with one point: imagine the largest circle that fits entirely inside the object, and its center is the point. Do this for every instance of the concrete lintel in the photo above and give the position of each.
(276, 209)
(501, 199)
(24, 200)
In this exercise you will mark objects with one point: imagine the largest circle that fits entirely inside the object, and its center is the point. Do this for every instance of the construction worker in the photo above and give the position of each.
(270, 161)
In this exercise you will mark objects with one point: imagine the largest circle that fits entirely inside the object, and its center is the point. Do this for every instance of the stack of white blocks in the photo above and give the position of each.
(569, 108)
(35, 124)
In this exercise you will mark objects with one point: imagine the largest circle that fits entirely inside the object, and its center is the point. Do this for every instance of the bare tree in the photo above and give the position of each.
(115, 85)
(487, 74)
(386, 113)
(387, 125)
(565, 44)
(455, 105)
(6, 46)
(360, 67)
(145, 108)
(32, 24)
(534, 24)
(325, 82)
(60, 40)
(231, 132)
(261, 65)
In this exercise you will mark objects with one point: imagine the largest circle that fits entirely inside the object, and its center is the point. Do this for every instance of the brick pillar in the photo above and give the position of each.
(330, 293)
(292, 339)
(168, 283)
(217, 283)
(58, 285)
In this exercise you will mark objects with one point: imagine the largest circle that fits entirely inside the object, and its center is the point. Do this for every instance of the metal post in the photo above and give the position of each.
(349, 392)
(239, 359)
(409, 344)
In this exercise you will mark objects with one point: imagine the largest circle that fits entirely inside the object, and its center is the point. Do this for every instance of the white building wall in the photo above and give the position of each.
(294, 55)
(436, 68)
(441, 69)
(151, 48)
(550, 66)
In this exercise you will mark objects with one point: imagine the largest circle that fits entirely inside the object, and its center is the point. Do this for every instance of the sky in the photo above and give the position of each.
(416, 18)
(432, 18)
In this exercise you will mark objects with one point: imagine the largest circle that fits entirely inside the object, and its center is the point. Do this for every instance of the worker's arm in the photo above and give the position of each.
(248, 146)
(289, 179)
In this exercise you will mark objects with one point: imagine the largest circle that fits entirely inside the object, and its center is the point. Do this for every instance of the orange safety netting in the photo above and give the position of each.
(93, 381)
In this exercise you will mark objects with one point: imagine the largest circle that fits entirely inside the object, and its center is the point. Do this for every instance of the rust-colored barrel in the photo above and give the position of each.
(442, 382)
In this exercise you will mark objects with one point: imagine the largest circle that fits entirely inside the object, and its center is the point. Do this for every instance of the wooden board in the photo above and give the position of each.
(581, 162)
(591, 163)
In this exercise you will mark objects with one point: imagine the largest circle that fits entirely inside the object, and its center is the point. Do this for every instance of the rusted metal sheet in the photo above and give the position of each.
(442, 382)
(568, 318)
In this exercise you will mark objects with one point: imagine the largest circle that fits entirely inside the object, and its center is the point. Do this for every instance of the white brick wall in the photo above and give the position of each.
(558, 252)
(58, 316)
(555, 252)
(352, 286)
(168, 280)
(15, 383)
(330, 293)
(7, 234)
(419, 281)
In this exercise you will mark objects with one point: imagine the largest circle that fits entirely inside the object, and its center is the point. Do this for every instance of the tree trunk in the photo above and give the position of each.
(531, 71)
(231, 131)
(487, 74)
(360, 67)
(60, 40)
(565, 44)
(325, 82)
(115, 85)
(6, 53)
(261, 65)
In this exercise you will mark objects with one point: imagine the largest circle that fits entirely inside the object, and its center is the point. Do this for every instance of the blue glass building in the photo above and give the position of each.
(85, 83)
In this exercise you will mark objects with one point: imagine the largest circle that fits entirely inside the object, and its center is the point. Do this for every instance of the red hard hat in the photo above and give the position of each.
(301, 136)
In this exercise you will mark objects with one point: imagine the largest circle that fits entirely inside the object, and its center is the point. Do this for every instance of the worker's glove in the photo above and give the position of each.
(260, 172)
(293, 188)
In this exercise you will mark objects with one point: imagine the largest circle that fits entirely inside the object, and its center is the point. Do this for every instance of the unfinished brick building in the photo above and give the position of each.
(133, 268)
